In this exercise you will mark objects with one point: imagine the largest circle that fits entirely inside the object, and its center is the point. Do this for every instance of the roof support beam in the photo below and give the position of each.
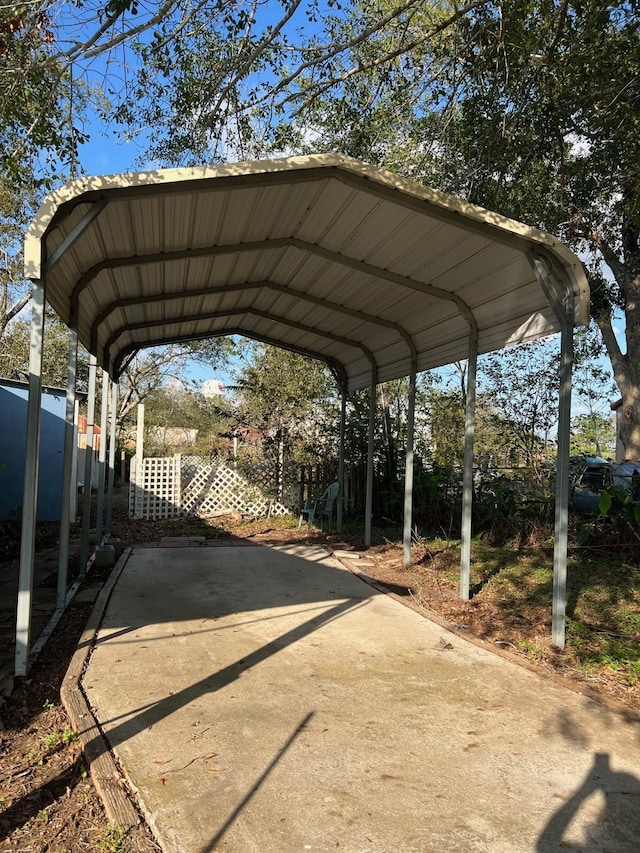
(166, 298)
(214, 315)
(129, 352)
(437, 205)
(94, 211)
(388, 275)
(263, 245)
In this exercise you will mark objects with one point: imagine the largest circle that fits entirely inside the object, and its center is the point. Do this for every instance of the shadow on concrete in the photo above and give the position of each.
(157, 589)
(151, 714)
(618, 825)
(217, 838)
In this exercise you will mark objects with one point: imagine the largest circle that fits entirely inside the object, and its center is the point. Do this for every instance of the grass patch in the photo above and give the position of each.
(603, 605)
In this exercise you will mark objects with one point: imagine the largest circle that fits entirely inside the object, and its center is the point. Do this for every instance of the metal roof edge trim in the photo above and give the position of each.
(339, 163)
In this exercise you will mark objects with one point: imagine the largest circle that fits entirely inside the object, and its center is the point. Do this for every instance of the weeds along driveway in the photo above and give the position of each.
(265, 699)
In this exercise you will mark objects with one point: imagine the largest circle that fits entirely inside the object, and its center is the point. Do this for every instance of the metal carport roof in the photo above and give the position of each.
(322, 254)
(377, 276)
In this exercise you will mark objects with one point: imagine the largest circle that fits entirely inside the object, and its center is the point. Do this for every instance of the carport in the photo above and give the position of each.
(376, 276)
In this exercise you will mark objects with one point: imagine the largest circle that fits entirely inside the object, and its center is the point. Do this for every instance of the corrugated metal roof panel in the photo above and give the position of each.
(322, 254)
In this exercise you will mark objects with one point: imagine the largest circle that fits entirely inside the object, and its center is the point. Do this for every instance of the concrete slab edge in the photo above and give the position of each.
(109, 781)
(575, 687)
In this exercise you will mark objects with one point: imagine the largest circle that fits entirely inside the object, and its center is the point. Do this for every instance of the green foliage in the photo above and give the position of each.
(592, 649)
(592, 434)
(527, 110)
(52, 743)
(291, 401)
(446, 409)
(174, 412)
(605, 503)
(14, 353)
(522, 384)
(603, 603)
(112, 840)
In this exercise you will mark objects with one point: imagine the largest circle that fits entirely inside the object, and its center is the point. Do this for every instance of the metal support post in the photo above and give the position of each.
(74, 467)
(408, 471)
(88, 461)
(138, 501)
(30, 495)
(343, 420)
(112, 457)
(102, 458)
(561, 296)
(368, 510)
(68, 480)
(467, 480)
(558, 627)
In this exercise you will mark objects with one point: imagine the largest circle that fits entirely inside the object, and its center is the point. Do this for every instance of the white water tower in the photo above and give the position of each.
(212, 388)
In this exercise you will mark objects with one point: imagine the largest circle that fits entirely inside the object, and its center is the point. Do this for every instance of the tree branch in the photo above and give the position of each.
(83, 49)
(618, 359)
(15, 309)
(620, 270)
(314, 91)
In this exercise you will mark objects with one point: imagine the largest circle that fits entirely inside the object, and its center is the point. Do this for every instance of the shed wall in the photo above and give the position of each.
(13, 430)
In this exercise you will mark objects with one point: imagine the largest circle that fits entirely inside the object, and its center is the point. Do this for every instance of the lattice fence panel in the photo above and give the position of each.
(263, 475)
(154, 491)
(209, 488)
(166, 487)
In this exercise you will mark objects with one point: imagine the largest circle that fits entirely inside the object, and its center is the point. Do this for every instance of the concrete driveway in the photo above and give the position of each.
(266, 699)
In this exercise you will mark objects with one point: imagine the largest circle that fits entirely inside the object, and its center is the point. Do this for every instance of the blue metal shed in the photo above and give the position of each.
(13, 431)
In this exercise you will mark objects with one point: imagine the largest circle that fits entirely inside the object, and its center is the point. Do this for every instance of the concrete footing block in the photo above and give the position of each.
(105, 555)
(118, 545)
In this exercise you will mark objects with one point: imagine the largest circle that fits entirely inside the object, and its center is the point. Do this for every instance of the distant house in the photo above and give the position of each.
(82, 444)
(178, 437)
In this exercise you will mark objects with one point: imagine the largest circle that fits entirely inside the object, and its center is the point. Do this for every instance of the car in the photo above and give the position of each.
(590, 476)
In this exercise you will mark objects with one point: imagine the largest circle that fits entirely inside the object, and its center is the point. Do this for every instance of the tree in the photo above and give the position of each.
(153, 368)
(525, 109)
(593, 434)
(209, 76)
(178, 417)
(549, 121)
(593, 393)
(522, 384)
(17, 204)
(14, 353)
(290, 400)
(35, 94)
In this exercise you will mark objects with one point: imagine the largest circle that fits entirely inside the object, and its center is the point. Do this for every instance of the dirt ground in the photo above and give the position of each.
(47, 799)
